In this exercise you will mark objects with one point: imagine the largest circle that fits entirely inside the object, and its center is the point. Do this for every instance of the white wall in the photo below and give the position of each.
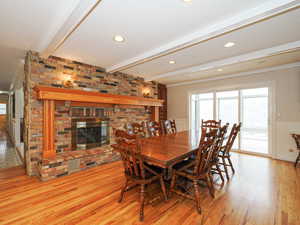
(19, 115)
(14, 124)
(286, 105)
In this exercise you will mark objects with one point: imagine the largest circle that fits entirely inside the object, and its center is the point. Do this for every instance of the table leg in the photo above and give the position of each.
(167, 173)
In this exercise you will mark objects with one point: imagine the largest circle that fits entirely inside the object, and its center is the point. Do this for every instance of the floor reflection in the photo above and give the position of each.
(8, 155)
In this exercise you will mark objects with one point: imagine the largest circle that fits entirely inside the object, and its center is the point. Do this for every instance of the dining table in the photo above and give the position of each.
(164, 151)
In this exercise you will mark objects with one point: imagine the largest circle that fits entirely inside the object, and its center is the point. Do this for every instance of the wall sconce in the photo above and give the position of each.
(68, 81)
(146, 92)
(68, 84)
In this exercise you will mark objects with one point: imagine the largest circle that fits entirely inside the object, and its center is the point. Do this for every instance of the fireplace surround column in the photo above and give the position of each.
(48, 125)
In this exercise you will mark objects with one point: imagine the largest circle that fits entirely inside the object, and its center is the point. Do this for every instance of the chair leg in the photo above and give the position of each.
(142, 202)
(220, 172)
(163, 188)
(210, 185)
(123, 191)
(197, 195)
(225, 168)
(297, 160)
(231, 165)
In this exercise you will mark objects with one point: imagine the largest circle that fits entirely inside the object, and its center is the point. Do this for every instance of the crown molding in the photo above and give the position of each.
(232, 60)
(71, 21)
(252, 72)
(251, 16)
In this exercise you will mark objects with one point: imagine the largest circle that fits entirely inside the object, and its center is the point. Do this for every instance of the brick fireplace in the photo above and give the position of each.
(53, 72)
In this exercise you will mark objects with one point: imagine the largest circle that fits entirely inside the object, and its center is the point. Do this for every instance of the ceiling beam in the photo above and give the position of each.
(73, 20)
(292, 46)
(252, 72)
(254, 15)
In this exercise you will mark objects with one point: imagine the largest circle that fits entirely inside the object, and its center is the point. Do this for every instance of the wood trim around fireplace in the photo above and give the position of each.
(48, 125)
(50, 95)
(63, 94)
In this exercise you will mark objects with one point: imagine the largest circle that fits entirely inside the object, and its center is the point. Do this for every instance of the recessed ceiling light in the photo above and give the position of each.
(172, 62)
(229, 44)
(220, 70)
(118, 38)
(187, 1)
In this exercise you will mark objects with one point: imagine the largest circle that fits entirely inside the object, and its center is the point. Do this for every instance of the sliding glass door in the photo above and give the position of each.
(254, 110)
(249, 106)
(228, 109)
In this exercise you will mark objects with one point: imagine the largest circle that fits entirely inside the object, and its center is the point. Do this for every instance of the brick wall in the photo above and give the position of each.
(53, 72)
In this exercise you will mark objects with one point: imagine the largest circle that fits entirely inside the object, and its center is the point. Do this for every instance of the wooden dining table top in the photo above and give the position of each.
(166, 150)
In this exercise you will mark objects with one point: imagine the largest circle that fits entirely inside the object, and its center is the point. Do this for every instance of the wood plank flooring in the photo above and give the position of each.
(8, 153)
(262, 192)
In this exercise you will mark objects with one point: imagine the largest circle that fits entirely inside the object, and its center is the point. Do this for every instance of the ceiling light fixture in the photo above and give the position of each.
(229, 44)
(118, 38)
(188, 1)
(220, 70)
(172, 62)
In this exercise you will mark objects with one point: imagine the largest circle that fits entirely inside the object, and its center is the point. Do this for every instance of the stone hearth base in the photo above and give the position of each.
(73, 161)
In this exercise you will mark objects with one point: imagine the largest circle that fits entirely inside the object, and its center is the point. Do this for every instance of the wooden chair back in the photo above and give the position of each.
(169, 126)
(129, 148)
(220, 139)
(154, 129)
(204, 155)
(232, 136)
(211, 123)
(136, 128)
(297, 140)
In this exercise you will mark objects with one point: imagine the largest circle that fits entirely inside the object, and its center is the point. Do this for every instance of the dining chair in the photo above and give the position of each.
(154, 129)
(136, 128)
(196, 170)
(135, 170)
(225, 150)
(206, 135)
(211, 123)
(297, 140)
(169, 126)
(215, 160)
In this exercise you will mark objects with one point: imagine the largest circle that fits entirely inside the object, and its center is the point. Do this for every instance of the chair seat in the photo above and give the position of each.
(186, 169)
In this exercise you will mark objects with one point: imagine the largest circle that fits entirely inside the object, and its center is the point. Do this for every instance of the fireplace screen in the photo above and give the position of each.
(89, 133)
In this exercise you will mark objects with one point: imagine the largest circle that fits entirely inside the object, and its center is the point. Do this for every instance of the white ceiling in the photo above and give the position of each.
(265, 34)
(286, 60)
(155, 32)
(145, 25)
(26, 25)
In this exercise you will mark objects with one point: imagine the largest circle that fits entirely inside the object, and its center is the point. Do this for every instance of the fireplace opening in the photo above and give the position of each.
(89, 132)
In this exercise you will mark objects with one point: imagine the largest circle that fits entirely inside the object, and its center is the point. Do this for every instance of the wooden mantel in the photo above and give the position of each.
(51, 94)
(56, 94)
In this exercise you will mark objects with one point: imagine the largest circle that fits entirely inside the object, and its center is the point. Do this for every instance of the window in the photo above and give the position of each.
(202, 108)
(2, 109)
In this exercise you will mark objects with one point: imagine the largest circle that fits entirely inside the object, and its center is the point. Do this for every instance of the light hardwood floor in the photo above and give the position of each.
(262, 192)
